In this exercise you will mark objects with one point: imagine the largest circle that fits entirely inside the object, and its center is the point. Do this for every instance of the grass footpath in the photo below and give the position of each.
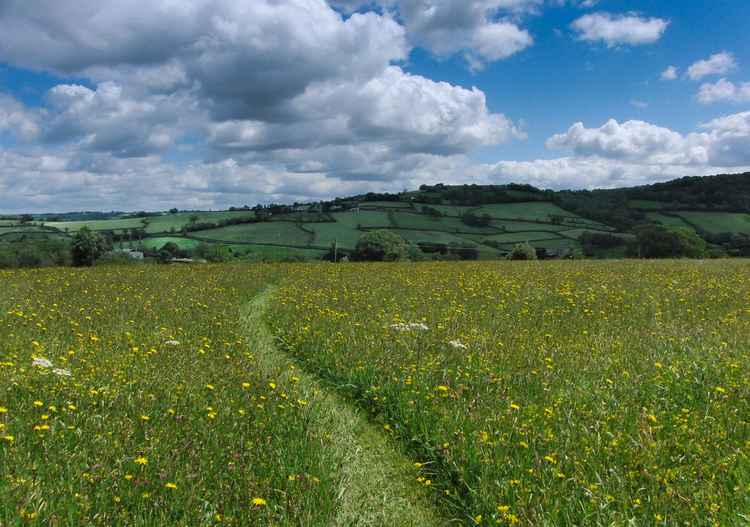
(376, 483)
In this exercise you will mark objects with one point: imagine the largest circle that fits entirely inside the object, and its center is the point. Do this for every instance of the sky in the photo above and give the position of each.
(206, 104)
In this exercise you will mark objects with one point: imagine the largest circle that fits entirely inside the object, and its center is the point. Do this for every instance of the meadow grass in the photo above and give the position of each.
(545, 393)
(487, 393)
(158, 413)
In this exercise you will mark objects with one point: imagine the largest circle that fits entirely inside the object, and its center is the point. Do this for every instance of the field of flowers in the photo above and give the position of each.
(130, 396)
(549, 393)
(512, 393)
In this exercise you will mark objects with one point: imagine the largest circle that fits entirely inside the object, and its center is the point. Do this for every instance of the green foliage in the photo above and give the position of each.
(213, 252)
(87, 247)
(658, 241)
(381, 246)
(476, 220)
(522, 251)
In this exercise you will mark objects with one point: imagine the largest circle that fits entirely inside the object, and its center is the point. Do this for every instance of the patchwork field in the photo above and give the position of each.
(500, 393)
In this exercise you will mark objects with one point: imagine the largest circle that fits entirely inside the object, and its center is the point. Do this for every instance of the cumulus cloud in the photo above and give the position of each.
(669, 74)
(718, 64)
(633, 141)
(17, 120)
(480, 29)
(616, 30)
(724, 91)
(724, 142)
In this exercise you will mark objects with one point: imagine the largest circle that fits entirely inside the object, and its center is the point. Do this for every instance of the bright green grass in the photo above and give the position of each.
(406, 220)
(546, 393)
(716, 222)
(166, 419)
(346, 236)
(266, 232)
(156, 224)
(672, 221)
(364, 219)
(533, 210)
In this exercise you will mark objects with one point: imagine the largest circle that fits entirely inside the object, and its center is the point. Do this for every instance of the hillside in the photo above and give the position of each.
(480, 221)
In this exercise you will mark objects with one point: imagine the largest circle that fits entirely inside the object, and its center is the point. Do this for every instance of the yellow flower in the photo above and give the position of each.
(171, 485)
(3, 410)
(245, 385)
(145, 418)
(9, 438)
(210, 387)
(258, 502)
(140, 460)
(272, 385)
(442, 388)
(38, 404)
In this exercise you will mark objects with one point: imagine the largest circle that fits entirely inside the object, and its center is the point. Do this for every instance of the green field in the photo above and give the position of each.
(157, 224)
(717, 222)
(269, 232)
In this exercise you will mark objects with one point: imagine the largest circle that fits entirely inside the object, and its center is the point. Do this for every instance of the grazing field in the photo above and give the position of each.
(484, 393)
(717, 222)
(550, 393)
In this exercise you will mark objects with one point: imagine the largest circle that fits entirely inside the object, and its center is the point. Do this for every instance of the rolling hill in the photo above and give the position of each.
(488, 219)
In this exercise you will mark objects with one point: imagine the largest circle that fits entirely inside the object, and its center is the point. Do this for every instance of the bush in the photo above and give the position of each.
(522, 251)
(381, 246)
(657, 241)
(87, 247)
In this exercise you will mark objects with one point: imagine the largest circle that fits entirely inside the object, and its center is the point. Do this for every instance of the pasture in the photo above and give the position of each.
(485, 393)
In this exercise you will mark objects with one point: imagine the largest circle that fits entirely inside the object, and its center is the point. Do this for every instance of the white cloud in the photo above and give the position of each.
(724, 142)
(637, 103)
(615, 30)
(724, 91)
(718, 64)
(633, 141)
(669, 74)
(17, 119)
(480, 29)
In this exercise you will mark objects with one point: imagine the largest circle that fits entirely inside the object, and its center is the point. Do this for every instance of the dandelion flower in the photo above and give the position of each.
(140, 460)
(171, 486)
(258, 502)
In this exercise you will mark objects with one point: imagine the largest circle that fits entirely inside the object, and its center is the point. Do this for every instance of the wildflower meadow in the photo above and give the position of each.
(485, 393)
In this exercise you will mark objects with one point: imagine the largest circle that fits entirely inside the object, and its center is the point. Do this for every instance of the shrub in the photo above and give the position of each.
(381, 246)
(522, 251)
(87, 247)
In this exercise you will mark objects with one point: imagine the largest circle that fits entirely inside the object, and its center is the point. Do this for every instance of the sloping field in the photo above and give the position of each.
(156, 224)
(672, 221)
(325, 234)
(716, 222)
(267, 232)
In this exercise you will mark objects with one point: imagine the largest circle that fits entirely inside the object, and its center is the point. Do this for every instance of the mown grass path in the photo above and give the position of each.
(376, 482)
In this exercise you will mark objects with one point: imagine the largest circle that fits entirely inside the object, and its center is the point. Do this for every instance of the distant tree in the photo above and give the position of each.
(172, 249)
(174, 210)
(86, 247)
(475, 220)
(658, 241)
(381, 245)
(522, 251)
(26, 218)
(213, 252)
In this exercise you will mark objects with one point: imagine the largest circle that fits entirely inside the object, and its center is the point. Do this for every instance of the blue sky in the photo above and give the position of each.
(142, 104)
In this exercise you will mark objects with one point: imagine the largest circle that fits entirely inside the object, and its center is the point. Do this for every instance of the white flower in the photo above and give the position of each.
(61, 372)
(411, 326)
(457, 344)
(172, 343)
(42, 363)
